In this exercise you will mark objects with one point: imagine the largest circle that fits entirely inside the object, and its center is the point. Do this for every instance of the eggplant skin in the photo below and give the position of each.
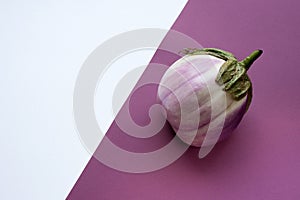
(188, 92)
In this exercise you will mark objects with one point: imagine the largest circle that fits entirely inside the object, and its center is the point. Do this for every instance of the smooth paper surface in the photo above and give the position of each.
(260, 160)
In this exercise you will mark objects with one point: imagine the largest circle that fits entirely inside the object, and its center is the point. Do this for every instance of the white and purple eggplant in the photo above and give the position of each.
(203, 87)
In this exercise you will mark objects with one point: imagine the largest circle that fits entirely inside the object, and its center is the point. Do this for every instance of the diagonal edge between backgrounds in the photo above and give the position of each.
(91, 159)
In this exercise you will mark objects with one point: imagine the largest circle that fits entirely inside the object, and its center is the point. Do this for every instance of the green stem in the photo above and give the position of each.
(247, 62)
(232, 74)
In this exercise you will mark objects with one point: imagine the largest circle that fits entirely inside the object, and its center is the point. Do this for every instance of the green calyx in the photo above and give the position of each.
(233, 73)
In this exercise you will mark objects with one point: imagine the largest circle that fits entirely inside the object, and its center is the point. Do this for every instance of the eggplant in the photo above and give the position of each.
(204, 87)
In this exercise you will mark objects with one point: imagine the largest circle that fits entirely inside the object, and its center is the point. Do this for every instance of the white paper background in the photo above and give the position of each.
(42, 46)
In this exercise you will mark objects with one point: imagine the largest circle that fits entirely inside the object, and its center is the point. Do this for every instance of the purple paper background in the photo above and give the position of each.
(261, 159)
